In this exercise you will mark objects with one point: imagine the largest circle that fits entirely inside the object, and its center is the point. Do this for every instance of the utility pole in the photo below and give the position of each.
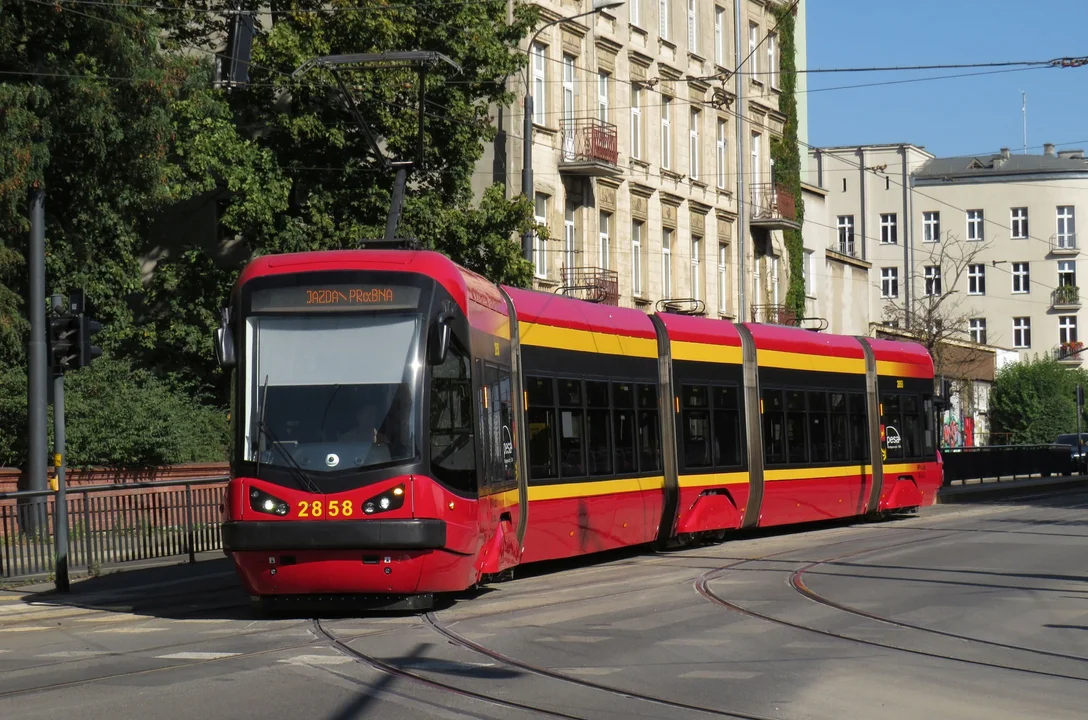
(1080, 443)
(61, 522)
(37, 400)
(738, 78)
(1024, 111)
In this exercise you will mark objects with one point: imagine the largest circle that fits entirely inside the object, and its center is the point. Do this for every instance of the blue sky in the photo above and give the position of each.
(956, 116)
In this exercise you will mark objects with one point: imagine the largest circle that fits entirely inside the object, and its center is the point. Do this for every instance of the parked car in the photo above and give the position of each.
(1077, 453)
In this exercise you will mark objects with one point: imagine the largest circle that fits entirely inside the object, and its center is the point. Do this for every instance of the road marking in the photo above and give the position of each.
(75, 653)
(589, 670)
(720, 675)
(196, 656)
(572, 639)
(112, 618)
(129, 630)
(28, 628)
(694, 642)
(317, 660)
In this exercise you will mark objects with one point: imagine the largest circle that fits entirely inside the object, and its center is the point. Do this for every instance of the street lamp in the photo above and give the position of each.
(527, 131)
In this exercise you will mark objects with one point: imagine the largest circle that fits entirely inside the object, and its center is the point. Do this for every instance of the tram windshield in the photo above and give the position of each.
(332, 393)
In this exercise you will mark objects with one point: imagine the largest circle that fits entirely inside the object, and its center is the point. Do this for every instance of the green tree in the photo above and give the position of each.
(1036, 401)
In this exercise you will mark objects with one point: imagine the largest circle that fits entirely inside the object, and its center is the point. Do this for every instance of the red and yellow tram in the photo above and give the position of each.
(403, 427)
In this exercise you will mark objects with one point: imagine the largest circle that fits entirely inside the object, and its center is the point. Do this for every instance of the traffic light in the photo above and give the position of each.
(87, 352)
(63, 350)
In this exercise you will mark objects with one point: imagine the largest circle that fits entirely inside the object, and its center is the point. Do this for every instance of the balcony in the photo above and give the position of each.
(774, 315)
(592, 284)
(844, 246)
(1065, 297)
(1069, 353)
(1064, 244)
(589, 148)
(773, 207)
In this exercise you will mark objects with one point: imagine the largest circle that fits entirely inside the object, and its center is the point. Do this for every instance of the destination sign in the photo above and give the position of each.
(333, 297)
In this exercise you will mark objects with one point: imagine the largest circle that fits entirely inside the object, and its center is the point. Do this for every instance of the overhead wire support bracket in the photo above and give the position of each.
(419, 60)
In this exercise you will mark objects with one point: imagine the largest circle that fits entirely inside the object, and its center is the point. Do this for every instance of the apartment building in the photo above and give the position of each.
(651, 155)
(1006, 222)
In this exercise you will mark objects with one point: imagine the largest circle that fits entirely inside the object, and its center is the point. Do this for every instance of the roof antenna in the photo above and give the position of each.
(419, 60)
(1024, 111)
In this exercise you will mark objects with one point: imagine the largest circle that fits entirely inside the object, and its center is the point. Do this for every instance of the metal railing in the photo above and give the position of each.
(772, 201)
(1069, 351)
(110, 524)
(1065, 295)
(844, 246)
(1064, 242)
(591, 283)
(587, 139)
(773, 315)
(1006, 461)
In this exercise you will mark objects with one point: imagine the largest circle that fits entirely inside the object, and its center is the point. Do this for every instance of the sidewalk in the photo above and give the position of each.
(996, 489)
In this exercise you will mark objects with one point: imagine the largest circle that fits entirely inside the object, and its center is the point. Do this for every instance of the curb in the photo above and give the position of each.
(1009, 489)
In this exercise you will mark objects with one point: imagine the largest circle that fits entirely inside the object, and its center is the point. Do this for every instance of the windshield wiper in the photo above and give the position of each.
(297, 472)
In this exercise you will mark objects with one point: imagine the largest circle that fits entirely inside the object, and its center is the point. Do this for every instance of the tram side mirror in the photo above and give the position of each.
(440, 340)
(224, 343)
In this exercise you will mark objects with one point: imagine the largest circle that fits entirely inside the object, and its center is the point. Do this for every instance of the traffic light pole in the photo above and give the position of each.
(38, 367)
(61, 522)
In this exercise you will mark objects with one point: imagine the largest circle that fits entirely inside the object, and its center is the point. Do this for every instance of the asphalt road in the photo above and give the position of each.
(966, 611)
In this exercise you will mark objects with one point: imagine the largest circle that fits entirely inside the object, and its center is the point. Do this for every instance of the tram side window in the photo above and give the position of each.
(571, 429)
(859, 427)
(598, 428)
(726, 426)
(774, 427)
(623, 417)
(928, 426)
(796, 439)
(649, 429)
(541, 415)
(453, 452)
(819, 450)
(695, 417)
(840, 427)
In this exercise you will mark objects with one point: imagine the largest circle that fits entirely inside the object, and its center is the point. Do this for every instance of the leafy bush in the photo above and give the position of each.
(1036, 401)
(119, 416)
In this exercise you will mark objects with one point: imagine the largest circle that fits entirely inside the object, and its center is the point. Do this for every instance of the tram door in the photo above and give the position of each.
(498, 480)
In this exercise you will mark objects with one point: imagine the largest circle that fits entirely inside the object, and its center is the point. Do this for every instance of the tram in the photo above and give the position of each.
(403, 427)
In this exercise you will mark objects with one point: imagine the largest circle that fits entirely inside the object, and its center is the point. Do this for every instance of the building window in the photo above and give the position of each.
(1067, 272)
(974, 225)
(846, 234)
(889, 230)
(978, 330)
(568, 98)
(692, 48)
(1067, 229)
(1021, 332)
(636, 121)
(693, 145)
(772, 59)
(540, 251)
(696, 267)
(636, 258)
(636, 12)
(757, 169)
(810, 273)
(568, 238)
(719, 35)
(889, 282)
(1020, 223)
(753, 43)
(1067, 329)
(663, 18)
(666, 263)
(976, 279)
(666, 133)
(1020, 278)
(720, 156)
(723, 269)
(602, 96)
(539, 94)
(606, 243)
(931, 225)
(933, 280)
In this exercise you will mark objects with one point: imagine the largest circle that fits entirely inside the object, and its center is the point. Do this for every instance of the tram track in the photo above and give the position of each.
(702, 586)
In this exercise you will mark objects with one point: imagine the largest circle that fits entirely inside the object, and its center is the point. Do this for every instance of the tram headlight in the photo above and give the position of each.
(389, 500)
(262, 502)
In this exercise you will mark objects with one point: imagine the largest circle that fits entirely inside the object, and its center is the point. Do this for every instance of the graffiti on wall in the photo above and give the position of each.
(957, 430)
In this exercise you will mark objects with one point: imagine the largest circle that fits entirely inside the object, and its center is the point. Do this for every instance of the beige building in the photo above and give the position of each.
(996, 233)
(651, 156)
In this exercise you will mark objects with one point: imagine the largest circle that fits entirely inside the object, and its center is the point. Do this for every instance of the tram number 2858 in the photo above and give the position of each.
(315, 509)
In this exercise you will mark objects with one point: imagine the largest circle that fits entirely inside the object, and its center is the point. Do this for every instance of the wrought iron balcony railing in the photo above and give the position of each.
(774, 315)
(1065, 296)
(1063, 243)
(590, 144)
(1069, 351)
(844, 246)
(773, 202)
(591, 283)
